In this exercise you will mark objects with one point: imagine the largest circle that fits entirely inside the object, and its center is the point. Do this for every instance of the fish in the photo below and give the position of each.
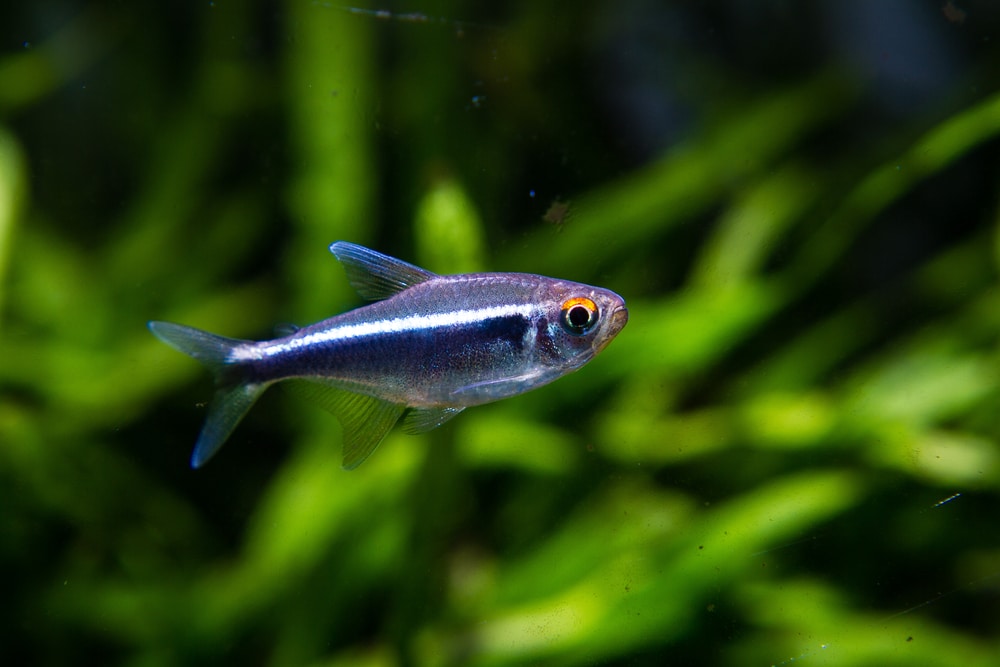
(428, 347)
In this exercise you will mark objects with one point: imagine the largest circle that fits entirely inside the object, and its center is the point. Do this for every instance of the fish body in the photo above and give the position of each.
(430, 346)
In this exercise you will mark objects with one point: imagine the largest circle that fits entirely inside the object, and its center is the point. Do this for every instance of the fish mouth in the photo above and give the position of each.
(619, 318)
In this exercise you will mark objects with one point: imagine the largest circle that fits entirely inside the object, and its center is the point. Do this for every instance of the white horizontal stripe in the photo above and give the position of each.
(398, 325)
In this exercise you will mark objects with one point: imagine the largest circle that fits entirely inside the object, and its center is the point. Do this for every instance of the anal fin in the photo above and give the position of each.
(365, 420)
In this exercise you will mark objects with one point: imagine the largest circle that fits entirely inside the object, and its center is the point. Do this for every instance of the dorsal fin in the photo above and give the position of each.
(376, 276)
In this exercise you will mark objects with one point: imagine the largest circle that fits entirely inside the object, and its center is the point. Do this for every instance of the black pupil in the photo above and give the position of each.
(579, 317)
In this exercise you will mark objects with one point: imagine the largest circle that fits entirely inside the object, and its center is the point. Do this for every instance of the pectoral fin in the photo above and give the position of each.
(502, 388)
(366, 420)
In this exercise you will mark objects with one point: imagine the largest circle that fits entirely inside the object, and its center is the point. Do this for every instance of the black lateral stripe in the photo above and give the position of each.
(545, 344)
(510, 329)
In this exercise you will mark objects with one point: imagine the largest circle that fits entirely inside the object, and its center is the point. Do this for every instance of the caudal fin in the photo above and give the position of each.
(233, 397)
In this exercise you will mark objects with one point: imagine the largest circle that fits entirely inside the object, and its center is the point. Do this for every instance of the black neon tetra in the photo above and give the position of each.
(429, 347)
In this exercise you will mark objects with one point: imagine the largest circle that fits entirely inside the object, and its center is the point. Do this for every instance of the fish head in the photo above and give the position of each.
(579, 321)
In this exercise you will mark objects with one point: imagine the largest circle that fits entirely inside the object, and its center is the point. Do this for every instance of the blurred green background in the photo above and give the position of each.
(790, 455)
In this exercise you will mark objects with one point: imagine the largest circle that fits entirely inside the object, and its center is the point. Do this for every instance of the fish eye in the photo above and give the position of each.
(579, 315)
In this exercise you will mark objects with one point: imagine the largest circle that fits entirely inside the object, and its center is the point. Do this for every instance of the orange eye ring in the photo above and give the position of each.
(579, 315)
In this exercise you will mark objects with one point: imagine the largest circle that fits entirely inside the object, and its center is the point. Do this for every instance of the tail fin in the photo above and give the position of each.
(233, 398)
